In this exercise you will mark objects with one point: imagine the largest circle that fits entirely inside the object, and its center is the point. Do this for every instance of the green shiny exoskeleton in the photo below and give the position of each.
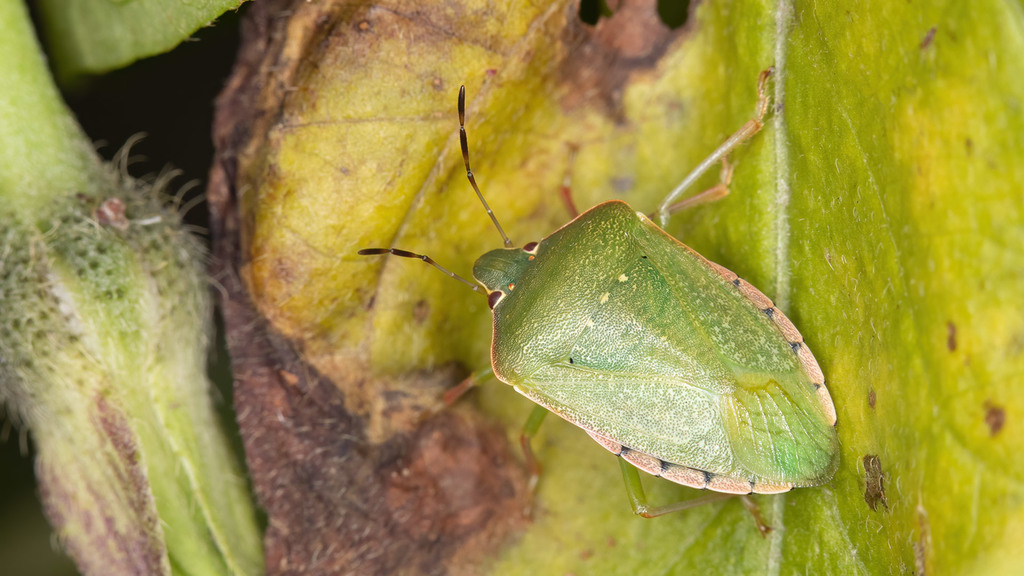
(666, 359)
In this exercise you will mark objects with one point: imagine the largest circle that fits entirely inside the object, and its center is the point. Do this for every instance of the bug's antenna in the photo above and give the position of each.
(469, 172)
(427, 259)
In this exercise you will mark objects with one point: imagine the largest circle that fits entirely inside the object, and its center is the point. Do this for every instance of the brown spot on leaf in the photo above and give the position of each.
(1016, 345)
(928, 37)
(995, 417)
(603, 57)
(874, 482)
(871, 398)
(421, 311)
(951, 336)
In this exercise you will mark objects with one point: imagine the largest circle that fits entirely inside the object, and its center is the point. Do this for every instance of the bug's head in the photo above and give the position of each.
(500, 270)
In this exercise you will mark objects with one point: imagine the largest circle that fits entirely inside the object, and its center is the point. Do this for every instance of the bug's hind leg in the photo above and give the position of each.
(638, 499)
(755, 511)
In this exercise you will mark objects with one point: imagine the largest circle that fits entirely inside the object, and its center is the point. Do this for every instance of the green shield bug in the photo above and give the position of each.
(668, 360)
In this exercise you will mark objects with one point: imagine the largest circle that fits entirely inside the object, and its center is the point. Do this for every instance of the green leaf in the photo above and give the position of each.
(96, 36)
(880, 208)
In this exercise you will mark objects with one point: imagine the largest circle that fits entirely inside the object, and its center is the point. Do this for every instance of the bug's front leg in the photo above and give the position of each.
(747, 131)
(529, 431)
(713, 194)
(565, 190)
(452, 394)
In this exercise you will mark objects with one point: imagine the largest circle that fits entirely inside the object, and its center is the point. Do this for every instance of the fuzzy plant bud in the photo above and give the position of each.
(104, 326)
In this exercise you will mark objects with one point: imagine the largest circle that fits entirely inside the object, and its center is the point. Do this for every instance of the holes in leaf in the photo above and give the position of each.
(673, 13)
(592, 10)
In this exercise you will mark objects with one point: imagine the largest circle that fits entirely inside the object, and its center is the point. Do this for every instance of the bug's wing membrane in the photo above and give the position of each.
(776, 429)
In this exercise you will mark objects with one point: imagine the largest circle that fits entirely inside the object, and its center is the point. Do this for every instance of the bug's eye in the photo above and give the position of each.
(494, 297)
(530, 247)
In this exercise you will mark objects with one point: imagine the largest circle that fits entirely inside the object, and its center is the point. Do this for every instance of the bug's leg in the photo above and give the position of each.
(565, 190)
(452, 394)
(755, 511)
(638, 498)
(715, 193)
(752, 126)
(529, 431)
